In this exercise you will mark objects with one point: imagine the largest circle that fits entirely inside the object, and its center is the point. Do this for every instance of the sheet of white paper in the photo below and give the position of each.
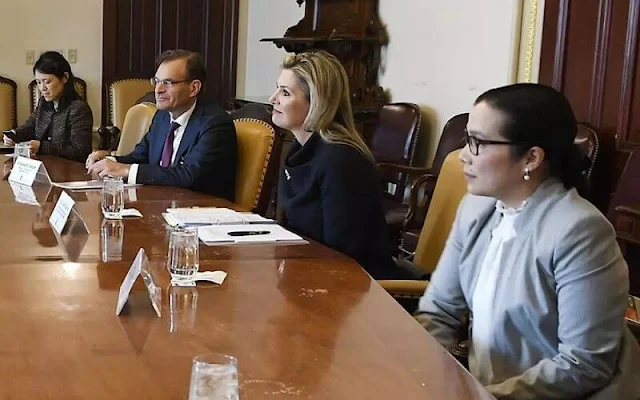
(249, 233)
(86, 185)
(61, 212)
(24, 170)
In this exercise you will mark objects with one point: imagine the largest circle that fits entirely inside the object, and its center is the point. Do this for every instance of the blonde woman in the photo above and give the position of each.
(329, 190)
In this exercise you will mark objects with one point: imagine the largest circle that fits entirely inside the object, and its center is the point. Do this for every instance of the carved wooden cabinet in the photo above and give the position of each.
(351, 30)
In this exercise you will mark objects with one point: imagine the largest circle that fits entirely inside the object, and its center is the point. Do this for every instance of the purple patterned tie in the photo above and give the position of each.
(167, 150)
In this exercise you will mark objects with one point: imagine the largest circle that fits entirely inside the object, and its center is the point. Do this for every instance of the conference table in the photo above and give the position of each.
(303, 321)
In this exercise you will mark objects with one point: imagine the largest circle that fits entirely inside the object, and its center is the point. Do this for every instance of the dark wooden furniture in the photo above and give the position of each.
(136, 31)
(351, 30)
(590, 53)
(303, 320)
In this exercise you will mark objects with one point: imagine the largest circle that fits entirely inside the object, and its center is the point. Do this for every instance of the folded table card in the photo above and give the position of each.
(139, 268)
(61, 212)
(26, 171)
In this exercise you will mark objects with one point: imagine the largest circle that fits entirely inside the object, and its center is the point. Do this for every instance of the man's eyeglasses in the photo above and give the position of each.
(474, 143)
(168, 83)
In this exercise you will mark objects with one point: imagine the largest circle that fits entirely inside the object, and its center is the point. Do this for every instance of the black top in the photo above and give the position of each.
(66, 132)
(332, 193)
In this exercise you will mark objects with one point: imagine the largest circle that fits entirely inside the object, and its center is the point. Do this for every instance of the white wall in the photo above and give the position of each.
(441, 54)
(259, 62)
(45, 25)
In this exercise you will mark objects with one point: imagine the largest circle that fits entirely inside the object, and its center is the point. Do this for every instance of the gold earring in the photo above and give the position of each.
(526, 176)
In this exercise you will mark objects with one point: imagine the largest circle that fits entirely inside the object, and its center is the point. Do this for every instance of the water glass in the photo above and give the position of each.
(183, 304)
(184, 253)
(214, 377)
(112, 197)
(21, 150)
(111, 238)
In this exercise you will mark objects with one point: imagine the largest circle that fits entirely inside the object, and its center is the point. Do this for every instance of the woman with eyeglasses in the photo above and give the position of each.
(535, 266)
(61, 123)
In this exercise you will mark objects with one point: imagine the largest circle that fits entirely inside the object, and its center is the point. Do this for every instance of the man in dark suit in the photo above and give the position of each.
(189, 144)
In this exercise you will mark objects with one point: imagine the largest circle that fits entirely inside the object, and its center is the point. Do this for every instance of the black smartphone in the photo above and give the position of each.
(10, 134)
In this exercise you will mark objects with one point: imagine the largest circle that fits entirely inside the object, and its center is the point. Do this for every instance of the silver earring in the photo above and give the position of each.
(526, 176)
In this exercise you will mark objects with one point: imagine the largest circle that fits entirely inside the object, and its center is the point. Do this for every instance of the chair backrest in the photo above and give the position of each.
(452, 138)
(395, 136)
(122, 94)
(136, 125)
(628, 187)
(255, 142)
(267, 203)
(8, 117)
(450, 188)
(589, 144)
(394, 140)
(34, 92)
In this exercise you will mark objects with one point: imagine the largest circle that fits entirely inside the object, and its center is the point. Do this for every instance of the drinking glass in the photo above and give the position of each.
(112, 197)
(184, 254)
(21, 150)
(111, 236)
(183, 304)
(214, 377)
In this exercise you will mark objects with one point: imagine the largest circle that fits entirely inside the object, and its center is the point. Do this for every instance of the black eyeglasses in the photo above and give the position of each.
(474, 143)
(165, 82)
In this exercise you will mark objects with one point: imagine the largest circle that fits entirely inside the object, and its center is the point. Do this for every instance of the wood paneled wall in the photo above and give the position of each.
(136, 31)
(590, 53)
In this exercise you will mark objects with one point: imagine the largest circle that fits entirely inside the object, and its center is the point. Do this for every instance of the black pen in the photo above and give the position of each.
(248, 233)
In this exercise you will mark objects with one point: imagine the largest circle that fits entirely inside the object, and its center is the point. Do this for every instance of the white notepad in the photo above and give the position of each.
(211, 216)
(253, 233)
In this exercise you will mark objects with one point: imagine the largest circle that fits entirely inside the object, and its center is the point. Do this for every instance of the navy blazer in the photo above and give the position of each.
(206, 160)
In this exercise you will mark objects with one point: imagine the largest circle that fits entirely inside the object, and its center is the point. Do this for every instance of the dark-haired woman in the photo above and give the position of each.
(536, 266)
(61, 124)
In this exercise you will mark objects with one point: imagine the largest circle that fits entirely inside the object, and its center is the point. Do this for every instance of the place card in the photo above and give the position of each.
(25, 170)
(139, 267)
(61, 212)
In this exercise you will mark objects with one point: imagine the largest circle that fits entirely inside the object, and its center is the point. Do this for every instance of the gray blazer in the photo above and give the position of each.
(64, 133)
(560, 330)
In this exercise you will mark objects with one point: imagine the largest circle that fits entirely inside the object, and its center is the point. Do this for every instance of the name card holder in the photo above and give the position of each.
(61, 212)
(26, 171)
(138, 268)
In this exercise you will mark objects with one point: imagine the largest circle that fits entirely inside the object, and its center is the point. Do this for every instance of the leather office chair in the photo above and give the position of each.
(589, 144)
(256, 140)
(267, 203)
(34, 92)
(449, 190)
(122, 94)
(136, 125)
(394, 140)
(8, 116)
(416, 207)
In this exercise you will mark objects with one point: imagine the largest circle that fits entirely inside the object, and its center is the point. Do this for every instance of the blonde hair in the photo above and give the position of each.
(326, 85)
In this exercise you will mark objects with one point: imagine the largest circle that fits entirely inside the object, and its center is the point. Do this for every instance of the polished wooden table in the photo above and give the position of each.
(303, 320)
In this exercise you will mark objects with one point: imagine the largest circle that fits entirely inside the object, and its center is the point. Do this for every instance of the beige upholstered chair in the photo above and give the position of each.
(255, 143)
(8, 118)
(122, 94)
(450, 187)
(136, 125)
(81, 88)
